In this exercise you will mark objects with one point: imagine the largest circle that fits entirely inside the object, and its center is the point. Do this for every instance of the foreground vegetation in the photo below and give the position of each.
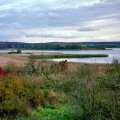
(44, 90)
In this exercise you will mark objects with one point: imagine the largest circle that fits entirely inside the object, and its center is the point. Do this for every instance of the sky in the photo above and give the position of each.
(39, 21)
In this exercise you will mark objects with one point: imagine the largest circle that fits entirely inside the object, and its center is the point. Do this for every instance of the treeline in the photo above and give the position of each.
(59, 45)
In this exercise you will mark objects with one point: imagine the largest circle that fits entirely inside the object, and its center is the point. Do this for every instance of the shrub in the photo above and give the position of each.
(19, 51)
(11, 96)
(63, 66)
(59, 113)
(12, 68)
(96, 95)
(3, 73)
(32, 64)
(44, 67)
(19, 96)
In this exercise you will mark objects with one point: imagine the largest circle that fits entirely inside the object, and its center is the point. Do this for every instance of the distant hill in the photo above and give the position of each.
(59, 45)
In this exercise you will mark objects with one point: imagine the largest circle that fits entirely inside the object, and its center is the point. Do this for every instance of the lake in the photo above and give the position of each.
(113, 55)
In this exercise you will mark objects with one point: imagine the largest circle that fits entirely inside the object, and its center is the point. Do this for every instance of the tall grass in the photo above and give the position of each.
(60, 91)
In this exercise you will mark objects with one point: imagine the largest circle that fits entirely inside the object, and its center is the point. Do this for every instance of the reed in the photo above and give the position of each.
(69, 56)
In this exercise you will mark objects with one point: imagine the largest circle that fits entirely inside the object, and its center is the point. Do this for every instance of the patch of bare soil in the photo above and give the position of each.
(18, 59)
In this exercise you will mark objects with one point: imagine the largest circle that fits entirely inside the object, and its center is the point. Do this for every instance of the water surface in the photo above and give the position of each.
(112, 55)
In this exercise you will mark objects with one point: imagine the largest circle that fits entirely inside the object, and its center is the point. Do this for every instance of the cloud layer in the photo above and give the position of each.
(59, 20)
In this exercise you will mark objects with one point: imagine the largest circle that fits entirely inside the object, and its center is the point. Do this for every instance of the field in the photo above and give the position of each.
(37, 89)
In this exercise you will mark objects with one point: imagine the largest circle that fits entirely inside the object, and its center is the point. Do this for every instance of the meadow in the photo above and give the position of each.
(45, 90)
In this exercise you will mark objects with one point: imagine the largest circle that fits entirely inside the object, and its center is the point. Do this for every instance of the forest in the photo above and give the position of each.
(59, 45)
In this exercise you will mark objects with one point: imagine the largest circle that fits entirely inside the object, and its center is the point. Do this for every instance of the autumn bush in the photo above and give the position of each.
(3, 73)
(12, 93)
(19, 97)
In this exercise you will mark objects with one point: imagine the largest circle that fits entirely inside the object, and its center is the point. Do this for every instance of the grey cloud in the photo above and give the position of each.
(45, 35)
(59, 18)
(86, 29)
(43, 16)
(10, 35)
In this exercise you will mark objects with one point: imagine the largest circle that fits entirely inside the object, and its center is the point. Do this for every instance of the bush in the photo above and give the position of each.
(3, 73)
(60, 113)
(11, 68)
(19, 96)
(12, 93)
(99, 97)
(19, 51)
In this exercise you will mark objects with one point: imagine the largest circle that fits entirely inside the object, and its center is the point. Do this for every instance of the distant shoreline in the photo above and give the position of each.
(59, 45)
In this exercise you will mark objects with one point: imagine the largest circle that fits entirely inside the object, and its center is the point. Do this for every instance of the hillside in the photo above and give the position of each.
(59, 45)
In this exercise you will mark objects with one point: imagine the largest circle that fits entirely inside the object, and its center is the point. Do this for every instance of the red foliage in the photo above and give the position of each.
(3, 73)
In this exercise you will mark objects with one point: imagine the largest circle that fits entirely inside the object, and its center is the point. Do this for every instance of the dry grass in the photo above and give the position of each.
(18, 59)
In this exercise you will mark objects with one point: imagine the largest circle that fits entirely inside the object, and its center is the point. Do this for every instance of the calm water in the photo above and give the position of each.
(113, 54)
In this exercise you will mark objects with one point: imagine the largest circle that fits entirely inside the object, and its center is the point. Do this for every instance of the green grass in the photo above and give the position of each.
(60, 113)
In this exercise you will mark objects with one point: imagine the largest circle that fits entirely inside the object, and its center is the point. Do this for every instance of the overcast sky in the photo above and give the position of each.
(59, 20)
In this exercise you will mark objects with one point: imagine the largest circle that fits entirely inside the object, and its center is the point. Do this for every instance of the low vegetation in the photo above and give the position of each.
(44, 90)
(52, 56)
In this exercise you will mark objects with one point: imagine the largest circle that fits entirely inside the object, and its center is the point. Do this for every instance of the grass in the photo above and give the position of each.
(69, 56)
(45, 90)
